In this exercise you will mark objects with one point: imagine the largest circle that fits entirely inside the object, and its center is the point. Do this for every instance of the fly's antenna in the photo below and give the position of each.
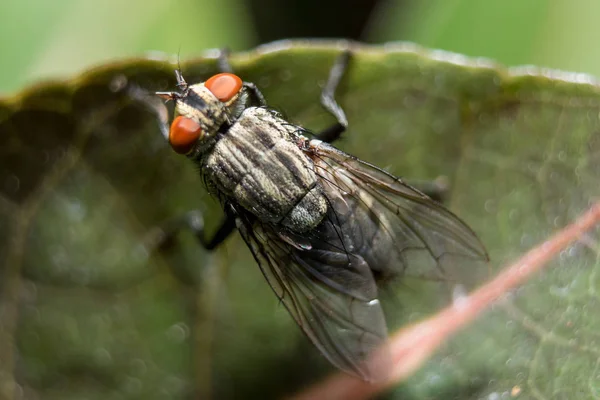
(181, 83)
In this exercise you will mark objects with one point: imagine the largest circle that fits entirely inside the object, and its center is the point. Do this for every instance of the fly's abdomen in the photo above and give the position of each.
(258, 163)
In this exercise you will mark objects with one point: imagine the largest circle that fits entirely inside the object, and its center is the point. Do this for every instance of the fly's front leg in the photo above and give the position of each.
(224, 66)
(256, 94)
(162, 237)
(328, 99)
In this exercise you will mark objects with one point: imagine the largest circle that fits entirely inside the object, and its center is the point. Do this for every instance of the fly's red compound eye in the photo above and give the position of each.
(183, 134)
(224, 86)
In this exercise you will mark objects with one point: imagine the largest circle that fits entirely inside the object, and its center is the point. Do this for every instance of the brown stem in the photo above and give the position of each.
(413, 345)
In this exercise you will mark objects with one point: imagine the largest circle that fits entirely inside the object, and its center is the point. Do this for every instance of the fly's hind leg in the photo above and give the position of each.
(328, 101)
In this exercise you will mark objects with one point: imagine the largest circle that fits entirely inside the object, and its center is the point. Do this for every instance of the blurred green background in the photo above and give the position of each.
(42, 39)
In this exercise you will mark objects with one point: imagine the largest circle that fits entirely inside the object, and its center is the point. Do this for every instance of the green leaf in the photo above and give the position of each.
(85, 175)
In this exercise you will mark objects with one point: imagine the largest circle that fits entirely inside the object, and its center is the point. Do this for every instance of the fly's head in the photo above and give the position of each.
(202, 109)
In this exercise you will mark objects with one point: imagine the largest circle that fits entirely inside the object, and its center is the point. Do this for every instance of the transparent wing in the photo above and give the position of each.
(331, 294)
(395, 228)
(376, 224)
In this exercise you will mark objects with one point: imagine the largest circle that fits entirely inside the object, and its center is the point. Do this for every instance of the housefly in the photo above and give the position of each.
(322, 225)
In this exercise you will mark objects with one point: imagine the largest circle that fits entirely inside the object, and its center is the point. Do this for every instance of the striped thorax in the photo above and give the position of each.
(248, 154)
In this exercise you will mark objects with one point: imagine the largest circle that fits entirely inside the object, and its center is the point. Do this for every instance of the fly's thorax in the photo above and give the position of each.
(259, 164)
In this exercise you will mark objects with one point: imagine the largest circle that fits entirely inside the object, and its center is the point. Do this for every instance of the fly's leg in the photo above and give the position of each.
(328, 101)
(162, 237)
(224, 66)
(257, 94)
(327, 95)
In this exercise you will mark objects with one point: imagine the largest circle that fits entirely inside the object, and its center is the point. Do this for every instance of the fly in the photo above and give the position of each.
(322, 225)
